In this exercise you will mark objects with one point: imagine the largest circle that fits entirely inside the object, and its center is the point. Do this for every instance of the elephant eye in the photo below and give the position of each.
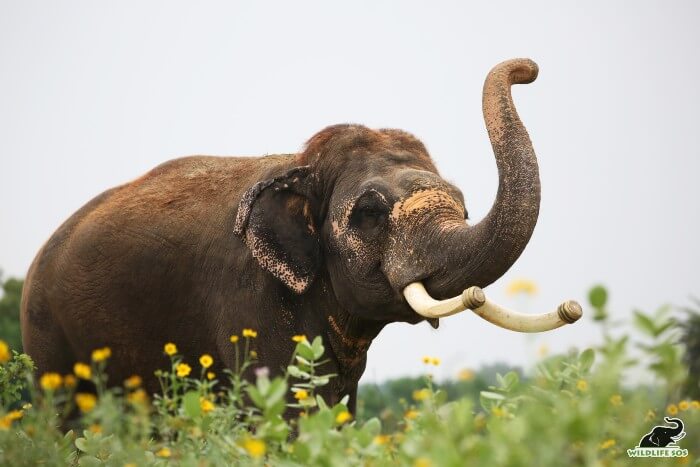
(370, 212)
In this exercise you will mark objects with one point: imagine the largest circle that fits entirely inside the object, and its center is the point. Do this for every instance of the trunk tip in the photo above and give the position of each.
(519, 70)
(570, 311)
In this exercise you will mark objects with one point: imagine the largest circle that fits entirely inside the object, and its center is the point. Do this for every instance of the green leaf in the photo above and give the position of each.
(81, 443)
(644, 323)
(317, 347)
(492, 395)
(304, 350)
(586, 359)
(190, 402)
(256, 397)
(598, 296)
(276, 392)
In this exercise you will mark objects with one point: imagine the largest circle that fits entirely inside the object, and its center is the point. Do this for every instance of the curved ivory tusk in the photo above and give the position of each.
(474, 299)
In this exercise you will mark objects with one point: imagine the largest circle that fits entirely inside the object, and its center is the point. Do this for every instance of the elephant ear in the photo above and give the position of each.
(274, 220)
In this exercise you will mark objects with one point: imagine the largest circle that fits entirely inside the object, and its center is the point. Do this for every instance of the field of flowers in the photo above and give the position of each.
(573, 409)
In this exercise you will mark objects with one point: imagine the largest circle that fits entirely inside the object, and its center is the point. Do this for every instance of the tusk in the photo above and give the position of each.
(474, 299)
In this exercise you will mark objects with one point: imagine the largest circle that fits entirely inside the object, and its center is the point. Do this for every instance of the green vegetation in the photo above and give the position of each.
(9, 311)
(571, 409)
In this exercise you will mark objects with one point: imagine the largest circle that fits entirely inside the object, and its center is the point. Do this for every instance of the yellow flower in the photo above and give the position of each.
(6, 421)
(137, 397)
(69, 381)
(582, 385)
(651, 415)
(421, 394)
(164, 452)
(5, 354)
(422, 462)
(253, 354)
(299, 338)
(521, 286)
(499, 412)
(170, 349)
(183, 369)
(85, 401)
(543, 350)
(82, 370)
(250, 333)
(133, 381)
(206, 360)
(684, 405)
(435, 361)
(616, 400)
(100, 355)
(695, 404)
(607, 444)
(301, 395)
(206, 405)
(411, 414)
(465, 375)
(15, 415)
(233, 339)
(211, 375)
(255, 447)
(382, 439)
(426, 360)
(95, 428)
(50, 381)
(672, 409)
(343, 417)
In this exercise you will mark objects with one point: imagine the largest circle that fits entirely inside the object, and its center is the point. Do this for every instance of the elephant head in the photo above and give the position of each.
(368, 211)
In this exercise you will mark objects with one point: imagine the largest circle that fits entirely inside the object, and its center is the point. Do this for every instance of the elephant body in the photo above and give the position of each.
(320, 243)
(156, 261)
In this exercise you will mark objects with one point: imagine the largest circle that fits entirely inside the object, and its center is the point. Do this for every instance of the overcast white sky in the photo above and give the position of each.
(93, 94)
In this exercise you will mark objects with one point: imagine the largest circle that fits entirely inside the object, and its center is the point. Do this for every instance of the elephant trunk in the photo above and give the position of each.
(482, 253)
(678, 429)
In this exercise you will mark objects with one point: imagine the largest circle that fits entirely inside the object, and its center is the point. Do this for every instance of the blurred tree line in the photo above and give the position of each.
(9, 311)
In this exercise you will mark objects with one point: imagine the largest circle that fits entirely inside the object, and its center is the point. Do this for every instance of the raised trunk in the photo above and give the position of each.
(679, 426)
(484, 252)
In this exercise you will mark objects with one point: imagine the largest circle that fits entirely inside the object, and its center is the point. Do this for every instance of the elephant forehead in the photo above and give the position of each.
(424, 201)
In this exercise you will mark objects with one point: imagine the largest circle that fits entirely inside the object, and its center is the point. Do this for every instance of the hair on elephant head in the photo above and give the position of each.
(371, 206)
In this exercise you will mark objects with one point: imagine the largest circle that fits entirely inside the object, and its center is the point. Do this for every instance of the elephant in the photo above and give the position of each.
(322, 242)
(662, 436)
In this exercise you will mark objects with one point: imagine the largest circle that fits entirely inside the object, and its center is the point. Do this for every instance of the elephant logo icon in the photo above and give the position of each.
(663, 436)
(661, 441)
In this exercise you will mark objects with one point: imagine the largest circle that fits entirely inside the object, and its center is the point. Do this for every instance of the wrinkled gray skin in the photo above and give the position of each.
(316, 243)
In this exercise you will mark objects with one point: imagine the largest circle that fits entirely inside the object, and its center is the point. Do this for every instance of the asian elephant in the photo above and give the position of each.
(321, 242)
(662, 436)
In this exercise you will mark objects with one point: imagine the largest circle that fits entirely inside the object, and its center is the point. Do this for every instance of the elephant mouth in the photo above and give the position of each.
(474, 298)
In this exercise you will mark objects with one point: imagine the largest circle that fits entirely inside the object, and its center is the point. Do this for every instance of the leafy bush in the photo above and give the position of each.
(573, 410)
(9, 311)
